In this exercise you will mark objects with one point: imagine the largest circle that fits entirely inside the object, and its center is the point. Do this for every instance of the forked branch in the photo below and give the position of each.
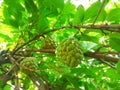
(98, 55)
(111, 28)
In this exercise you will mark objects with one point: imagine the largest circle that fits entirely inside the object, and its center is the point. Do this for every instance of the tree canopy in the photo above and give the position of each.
(34, 33)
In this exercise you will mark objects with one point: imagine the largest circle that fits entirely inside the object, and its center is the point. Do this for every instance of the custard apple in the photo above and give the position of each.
(69, 52)
(48, 43)
(28, 65)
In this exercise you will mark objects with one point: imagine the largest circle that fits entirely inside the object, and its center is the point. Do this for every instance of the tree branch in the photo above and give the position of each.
(40, 50)
(101, 57)
(88, 54)
(113, 53)
(115, 27)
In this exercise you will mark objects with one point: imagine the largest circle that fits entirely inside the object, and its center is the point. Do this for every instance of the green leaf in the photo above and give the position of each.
(5, 37)
(30, 6)
(90, 38)
(7, 87)
(112, 73)
(43, 24)
(115, 35)
(102, 16)
(12, 14)
(78, 70)
(54, 4)
(92, 11)
(90, 86)
(79, 15)
(69, 8)
(88, 46)
(1, 83)
(27, 80)
(118, 67)
(115, 41)
(114, 15)
(90, 73)
(59, 4)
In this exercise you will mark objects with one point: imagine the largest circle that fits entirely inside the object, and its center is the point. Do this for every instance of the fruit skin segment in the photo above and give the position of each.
(48, 43)
(69, 52)
(28, 65)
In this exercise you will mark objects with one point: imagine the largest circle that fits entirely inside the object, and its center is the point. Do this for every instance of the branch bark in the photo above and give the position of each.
(97, 55)
(111, 28)
(101, 57)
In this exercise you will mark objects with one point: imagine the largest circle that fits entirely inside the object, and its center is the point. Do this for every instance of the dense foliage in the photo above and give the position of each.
(35, 29)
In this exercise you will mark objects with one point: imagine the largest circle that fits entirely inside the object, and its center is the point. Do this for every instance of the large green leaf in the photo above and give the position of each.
(5, 37)
(79, 15)
(90, 38)
(112, 73)
(26, 80)
(92, 12)
(59, 4)
(114, 15)
(90, 86)
(43, 23)
(7, 87)
(115, 41)
(30, 6)
(69, 8)
(88, 46)
(118, 67)
(50, 8)
(12, 14)
(1, 84)
(54, 5)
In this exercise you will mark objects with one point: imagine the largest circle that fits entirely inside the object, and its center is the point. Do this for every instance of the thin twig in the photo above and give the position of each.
(108, 64)
(17, 81)
(36, 81)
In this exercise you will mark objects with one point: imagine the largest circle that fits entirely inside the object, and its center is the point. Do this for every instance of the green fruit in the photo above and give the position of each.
(69, 52)
(48, 43)
(28, 65)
